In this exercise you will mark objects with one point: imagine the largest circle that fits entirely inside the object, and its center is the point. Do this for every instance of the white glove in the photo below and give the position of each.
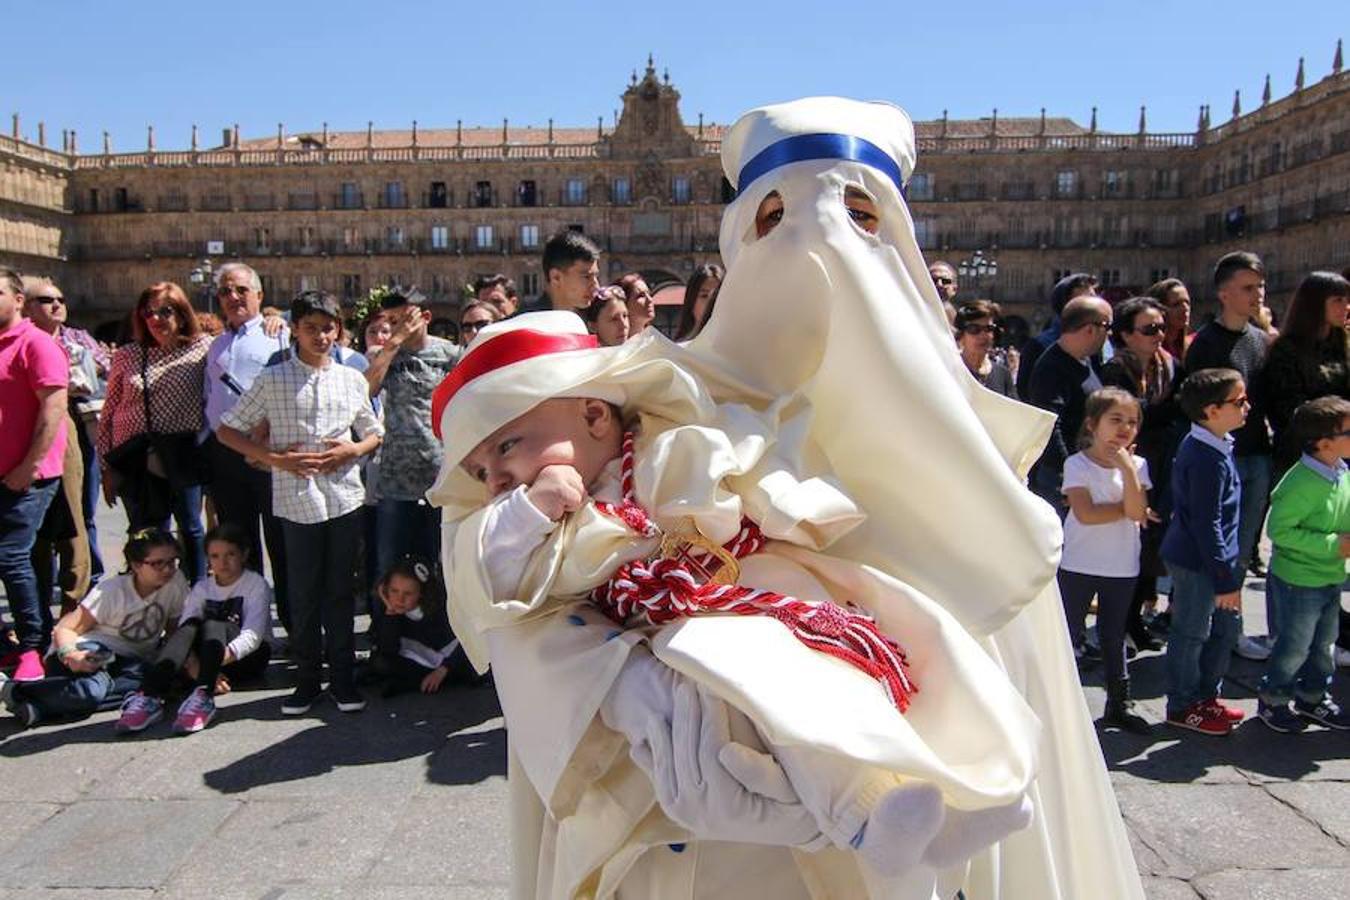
(911, 826)
(718, 789)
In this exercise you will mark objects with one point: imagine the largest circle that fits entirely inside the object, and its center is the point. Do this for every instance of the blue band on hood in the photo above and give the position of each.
(803, 147)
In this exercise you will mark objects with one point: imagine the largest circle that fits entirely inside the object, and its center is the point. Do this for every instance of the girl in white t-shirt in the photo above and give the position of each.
(1105, 486)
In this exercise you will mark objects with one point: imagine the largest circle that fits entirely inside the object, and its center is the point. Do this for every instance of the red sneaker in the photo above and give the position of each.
(29, 667)
(1202, 718)
(1231, 713)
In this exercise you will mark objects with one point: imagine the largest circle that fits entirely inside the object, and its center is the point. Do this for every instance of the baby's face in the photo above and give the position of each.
(560, 432)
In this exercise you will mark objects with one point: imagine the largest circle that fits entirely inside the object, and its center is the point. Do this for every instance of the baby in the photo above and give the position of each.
(611, 480)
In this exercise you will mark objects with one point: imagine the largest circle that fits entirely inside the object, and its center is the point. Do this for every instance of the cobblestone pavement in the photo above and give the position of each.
(408, 799)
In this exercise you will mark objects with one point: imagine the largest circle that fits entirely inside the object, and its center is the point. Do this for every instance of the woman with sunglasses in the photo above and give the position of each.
(1142, 367)
(977, 330)
(474, 317)
(104, 647)
(167, 352)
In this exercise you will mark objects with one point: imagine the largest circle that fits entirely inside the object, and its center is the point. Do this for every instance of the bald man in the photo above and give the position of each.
(1061, 381)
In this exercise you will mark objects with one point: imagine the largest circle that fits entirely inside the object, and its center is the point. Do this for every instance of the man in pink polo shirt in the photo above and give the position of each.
(34, 373)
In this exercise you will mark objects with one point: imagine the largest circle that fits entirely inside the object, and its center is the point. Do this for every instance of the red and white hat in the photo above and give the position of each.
(514, 365)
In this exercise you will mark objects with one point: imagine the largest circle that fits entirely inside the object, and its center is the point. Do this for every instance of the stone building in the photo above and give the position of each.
(1013, 202)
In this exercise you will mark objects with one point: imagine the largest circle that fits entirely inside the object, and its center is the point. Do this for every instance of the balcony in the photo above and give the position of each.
(1019, 190)
(304, 201)
(393, 201)
(260, 202)
(349, 200)
(172, 203)
(215, 203)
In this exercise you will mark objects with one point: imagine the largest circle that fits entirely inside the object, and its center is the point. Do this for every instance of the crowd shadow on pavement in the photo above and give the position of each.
(1177, 756)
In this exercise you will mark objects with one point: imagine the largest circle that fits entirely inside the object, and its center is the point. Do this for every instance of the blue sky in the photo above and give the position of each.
(93, 65)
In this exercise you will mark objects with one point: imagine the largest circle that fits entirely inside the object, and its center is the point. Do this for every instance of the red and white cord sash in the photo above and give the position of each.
(661, 590)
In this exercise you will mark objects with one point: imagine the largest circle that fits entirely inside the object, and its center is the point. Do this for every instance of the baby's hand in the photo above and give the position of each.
(557, 490)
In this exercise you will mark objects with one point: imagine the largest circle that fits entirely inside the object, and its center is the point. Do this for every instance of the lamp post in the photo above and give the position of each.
(977, 270)
(203, 277)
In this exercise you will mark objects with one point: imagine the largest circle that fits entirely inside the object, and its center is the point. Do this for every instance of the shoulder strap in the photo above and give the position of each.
(145, 385)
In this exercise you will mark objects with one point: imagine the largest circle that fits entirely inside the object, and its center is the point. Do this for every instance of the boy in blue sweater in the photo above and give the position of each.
(1310, 528)
(1201, 552)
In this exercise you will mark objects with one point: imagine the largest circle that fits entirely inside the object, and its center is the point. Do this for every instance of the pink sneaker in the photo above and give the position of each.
(139, 712)
(30, 667)
(196, 712)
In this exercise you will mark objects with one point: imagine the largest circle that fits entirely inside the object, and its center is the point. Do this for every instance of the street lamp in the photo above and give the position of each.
(203, 277)
(978, 270)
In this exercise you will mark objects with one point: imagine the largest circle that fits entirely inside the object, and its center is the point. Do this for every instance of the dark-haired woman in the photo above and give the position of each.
(160, 374)
(700, 295)
(1310, 358)
(1142, 367)
(104, 646)
(977, 329)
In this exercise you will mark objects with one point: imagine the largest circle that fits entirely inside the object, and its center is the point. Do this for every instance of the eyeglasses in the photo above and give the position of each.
(47, 301)
(975, 330)
(1151, 330)
(1238, 401)
(161, 565)
(474, 326)
(239, 290)
(1104, 324)
(163, 313)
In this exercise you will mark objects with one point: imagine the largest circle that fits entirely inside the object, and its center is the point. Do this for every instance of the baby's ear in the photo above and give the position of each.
(601, 417)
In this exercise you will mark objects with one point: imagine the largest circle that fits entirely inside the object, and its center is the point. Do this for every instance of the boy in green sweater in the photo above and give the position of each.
(1310, 528)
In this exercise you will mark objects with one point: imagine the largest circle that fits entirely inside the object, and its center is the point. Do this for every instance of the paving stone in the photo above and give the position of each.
(1168, 889)
(1245, 884)
(416, 852)
(277, 844)
(122, 843)
(1198, 829)
(59, 764)
(20, 817)
(1327, 804)
(76, 894)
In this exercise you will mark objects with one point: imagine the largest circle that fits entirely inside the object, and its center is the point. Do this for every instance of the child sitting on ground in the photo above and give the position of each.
(1201, 552)
(416, 650)
(221, 640)
(606, 478)
(1310, 528)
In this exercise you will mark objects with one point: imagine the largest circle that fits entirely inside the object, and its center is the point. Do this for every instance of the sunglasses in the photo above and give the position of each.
(163, 313)
(473, 326)
(47, 301)
(239, 290)
(943, 282)
(1151, 330)
(975, 330)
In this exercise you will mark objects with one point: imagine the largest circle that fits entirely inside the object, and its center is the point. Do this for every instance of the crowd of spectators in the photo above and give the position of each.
(303, 438)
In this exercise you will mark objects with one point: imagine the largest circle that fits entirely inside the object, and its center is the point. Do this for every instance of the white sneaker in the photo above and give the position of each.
(1256, 649)
(1342, 657)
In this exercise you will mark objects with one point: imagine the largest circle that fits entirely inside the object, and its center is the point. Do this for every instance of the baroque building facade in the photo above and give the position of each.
(344, 211)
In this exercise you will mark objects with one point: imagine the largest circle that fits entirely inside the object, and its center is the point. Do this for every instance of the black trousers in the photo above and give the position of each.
(243, 496)
(208, 640)
(1113, 607)
(322, 602)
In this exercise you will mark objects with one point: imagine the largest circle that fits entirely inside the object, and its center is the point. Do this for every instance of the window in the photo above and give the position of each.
(920, 186)
(269, 285)
(574, 192)
(527, 194)
(1164, 181)
(307, 283)
(351, 286)
(305, 236)
(925, 233)
(439, 197)
(93, 199)
(482, 194)
(482, 237)
(529, 235)
(1157, 275)
(440, 237)
(1109, 278)
(394, 197)
(1113, 183)
(349, 196)
(679, 189)
(623, 190)
(262, 239)
(1066, 183)
(529, 284)
(351, 238)
(393, 236)
(121, 200)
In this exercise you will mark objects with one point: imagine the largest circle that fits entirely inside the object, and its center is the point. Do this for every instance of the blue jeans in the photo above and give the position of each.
(1254, 476)
(1201, 641)
(93, 491)
(187, 513)
(72, 695)
(20, 516)
(1301, 664)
